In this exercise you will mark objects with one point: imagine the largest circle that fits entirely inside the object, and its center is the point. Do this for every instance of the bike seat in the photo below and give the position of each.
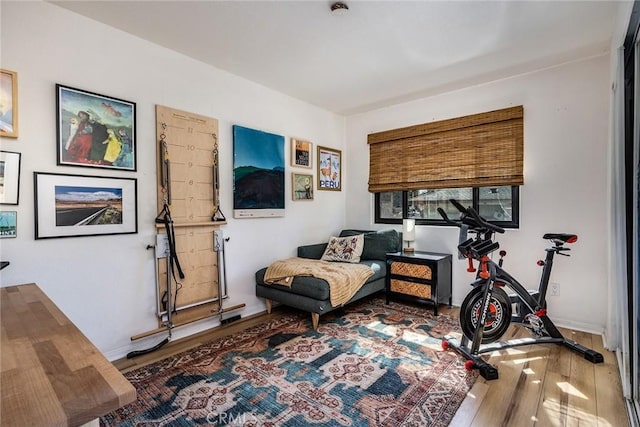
(563, 237)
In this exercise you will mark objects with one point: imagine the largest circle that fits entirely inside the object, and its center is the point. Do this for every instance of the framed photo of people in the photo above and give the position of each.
(94, 130)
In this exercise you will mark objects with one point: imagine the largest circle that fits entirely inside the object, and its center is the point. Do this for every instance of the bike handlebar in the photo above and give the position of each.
(469, 217)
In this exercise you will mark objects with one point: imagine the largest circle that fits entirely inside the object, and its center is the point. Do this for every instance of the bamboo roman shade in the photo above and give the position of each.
(479, 150)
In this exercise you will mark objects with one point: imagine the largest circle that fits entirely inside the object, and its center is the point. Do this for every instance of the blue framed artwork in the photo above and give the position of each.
(258, 173)
(8, 224)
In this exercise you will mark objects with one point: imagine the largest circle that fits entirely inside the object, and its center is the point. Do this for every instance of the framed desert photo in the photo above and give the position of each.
(329, 169)
(8, 224)
(9, 177)
(8, 103)
(95, 130)
(301, 153)
(79, 205)
(302, 186)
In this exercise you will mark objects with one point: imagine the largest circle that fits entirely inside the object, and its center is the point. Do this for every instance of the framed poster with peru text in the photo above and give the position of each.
(329, 169)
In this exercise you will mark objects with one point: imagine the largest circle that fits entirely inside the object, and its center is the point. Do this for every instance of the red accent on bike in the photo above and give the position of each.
(540, 262)
(541, 312)
(445, 345)
(484, 273)
(572, 239)
(469, 365)
(471, 268)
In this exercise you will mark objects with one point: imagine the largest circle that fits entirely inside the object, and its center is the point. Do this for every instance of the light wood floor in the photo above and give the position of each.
(539, 385)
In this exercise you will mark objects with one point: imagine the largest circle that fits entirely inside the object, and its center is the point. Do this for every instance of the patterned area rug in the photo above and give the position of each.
(370, 364)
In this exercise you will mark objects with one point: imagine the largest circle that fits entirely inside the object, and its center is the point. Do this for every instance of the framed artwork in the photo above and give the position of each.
(79, 205)
(258, 173)
(301, 153)
(8, 103)
(302, 186)
(8, 224)
(95, 130)
(329, 169)
(9, 177)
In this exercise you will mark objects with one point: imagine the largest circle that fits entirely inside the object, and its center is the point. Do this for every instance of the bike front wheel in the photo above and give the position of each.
(498, 314)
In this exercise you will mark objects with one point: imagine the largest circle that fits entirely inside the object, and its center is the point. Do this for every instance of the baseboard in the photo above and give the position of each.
(182, 332)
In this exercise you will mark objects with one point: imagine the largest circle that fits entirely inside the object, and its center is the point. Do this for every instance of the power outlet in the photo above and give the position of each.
(554, 289)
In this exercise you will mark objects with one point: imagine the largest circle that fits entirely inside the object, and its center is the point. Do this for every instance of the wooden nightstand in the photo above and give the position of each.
(419, 276)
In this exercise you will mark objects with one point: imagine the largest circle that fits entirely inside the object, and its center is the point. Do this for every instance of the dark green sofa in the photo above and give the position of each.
(312, 294)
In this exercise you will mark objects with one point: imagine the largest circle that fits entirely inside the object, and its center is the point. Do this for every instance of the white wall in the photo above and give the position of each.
(106, 284)
(566, 140)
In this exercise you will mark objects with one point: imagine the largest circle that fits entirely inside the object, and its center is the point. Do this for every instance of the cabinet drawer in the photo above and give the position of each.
(411, 270)
(410, 288)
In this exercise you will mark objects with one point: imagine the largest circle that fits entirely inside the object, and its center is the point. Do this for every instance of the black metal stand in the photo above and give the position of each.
(490, 372)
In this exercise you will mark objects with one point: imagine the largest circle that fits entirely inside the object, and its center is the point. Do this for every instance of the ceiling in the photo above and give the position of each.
(379, 53)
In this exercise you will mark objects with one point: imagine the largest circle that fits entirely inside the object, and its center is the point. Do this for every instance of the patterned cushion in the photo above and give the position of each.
(377, 243)
(344, 249)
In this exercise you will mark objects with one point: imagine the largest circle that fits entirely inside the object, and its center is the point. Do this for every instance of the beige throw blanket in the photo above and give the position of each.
(344, 278)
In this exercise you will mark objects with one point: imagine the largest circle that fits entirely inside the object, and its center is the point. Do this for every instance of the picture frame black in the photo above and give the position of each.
(9, 177)
(82, 205)
(94, 130)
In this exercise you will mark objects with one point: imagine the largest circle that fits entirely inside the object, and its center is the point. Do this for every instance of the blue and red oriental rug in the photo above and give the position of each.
(370, 364)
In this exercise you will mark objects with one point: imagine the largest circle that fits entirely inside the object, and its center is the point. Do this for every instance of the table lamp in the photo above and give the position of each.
(408, 232)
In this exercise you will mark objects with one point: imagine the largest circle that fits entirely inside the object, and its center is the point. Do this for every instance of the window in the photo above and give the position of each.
(499, 205)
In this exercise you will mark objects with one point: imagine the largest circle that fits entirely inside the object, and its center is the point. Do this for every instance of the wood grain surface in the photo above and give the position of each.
(50, 373)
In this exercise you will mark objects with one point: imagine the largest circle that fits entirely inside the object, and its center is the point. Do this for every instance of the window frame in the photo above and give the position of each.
(515, 213)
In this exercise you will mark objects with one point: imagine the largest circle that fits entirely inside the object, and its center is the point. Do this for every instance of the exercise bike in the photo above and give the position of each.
(487, 311)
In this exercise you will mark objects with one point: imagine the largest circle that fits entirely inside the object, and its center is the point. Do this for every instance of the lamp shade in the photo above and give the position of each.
(408, 229)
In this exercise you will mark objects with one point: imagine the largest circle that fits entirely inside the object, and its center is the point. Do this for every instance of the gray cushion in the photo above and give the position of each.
(377, 243)
(312, 251)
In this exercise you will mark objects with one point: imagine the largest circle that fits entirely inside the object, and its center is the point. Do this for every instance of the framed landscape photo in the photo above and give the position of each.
(302, 186)
(8, 224)
(258, 173)
(79, 205)
(9, 177)
(8, 103)
(95, 130)
(301, 153)
(329, 169)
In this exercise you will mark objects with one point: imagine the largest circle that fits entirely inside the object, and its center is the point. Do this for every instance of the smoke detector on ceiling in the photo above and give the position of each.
(339, 8)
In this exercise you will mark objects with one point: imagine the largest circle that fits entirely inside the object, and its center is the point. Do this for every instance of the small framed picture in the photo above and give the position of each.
(8, 103)
(329, 169)
(79, 205)
(9, 177)
(8, 224)
(302, 186)
(95, 130)
(301, 153)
